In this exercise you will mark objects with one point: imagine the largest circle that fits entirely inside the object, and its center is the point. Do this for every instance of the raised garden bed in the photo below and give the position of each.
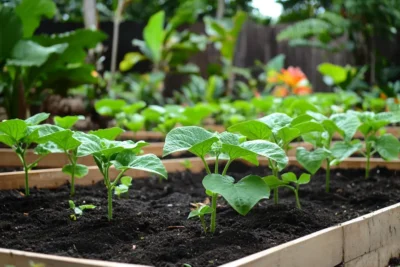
(151, 227)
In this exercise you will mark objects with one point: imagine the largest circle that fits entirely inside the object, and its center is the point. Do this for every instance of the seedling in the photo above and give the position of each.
(78, 210)
(199, 211)
(20, 134)
(123, 155)
(289, 180)
(386, 145)
(279, 129)
(324, 150)
(123, 187)
(64, 142)
(243, 195)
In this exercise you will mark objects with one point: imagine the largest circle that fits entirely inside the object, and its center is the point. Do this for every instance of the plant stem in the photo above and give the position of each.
(72, 160)
(296, 194)
(226, 167)
(203, 223)
(328, 176)
(26, 170)
(109, 207)
(214, 212)
(368, 154)
(216, 164)
(276, 190)
(205, 165)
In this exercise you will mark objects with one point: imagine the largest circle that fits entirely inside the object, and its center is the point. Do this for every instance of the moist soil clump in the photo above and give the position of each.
(150, 225)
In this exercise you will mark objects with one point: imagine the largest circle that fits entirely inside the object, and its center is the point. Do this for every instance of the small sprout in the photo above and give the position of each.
(289, 180)
(78, 211)
(123, 187)
(187, 164)
(199, 211)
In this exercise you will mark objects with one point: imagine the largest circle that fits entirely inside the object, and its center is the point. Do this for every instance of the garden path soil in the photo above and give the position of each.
(150, 226)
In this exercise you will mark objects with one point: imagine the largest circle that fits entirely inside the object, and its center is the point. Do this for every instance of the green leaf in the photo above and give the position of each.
(388, 147)
(39, 133)
(273, 182)
(109, 107)
(309, 126)
(130, 60)
(27, 53)
(287, 134)
(348, 123)
(153, 35)
(289, 177)
(71, 204)
(311, 160)
(343, 150)
(304, 178)
(32, 11)
(12, 131)
(332, 128)
(109, 133)
(11, 31)
(150, 163)
(338, 74)
(253, 130)
(190, 138)
(126, 180)
(136, 122)
(62, 139)
(78, 211)
(68, 121)
(276, 121)
(201, 211)
(36, 119)
(87, 207)
(79, 170)
(243, 195)
(269, 150)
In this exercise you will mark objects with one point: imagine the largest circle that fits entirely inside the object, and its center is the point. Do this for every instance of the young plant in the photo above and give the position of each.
(21, 134)
(200, 209)
(78, 210)
(386, 145)
(123, 155)
(280, 129)
(243, 195)
(64, 142)
(324, 149)
(289, 180)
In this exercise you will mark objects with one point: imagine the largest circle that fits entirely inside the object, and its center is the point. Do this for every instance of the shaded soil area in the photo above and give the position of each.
(394, 262)
(150, 225)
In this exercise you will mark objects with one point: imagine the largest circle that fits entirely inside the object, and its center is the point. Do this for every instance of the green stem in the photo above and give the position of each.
(26, 170)
(226, 167)
(72, 160)
(206, 165)
(203, 223)
(214, 212)
(276, 190)
(216, 164)
(328, 176)
(296, 194)
(368, 154)
(109, 207)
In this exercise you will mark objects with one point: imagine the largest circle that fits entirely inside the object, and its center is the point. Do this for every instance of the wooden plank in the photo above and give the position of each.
(323, 249)
(19, 258)
(365, 236)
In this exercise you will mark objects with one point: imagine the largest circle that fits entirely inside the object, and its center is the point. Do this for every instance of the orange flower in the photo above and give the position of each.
(280, 91)
(257, 94)
(292, 76)
(273, 76)
(383, 96)
(94, 74)
(302, 90)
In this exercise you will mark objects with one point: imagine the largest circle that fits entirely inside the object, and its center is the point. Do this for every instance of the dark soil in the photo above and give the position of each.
(395, 262)
(150, 225)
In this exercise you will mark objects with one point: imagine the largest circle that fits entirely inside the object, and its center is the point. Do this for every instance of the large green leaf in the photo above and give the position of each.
(348, 123)
(388, 147)
(108, 133)
(11, 31)
(287, 134)
(253, 130)
(311, 160)
(150, 163)
(28, 53)
(337, 74)
(276, 121)
(269, 150)
(12, 131)
(31, 12)
(68, 121)
(342, 150)
(130, 60)
(109, 107)
(36, 119)
(62, 139)
(153, 35)
(243, 195)
(190, 138)
(79, 170)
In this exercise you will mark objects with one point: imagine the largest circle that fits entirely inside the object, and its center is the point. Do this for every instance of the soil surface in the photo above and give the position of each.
(395, 262)
(150, 225)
